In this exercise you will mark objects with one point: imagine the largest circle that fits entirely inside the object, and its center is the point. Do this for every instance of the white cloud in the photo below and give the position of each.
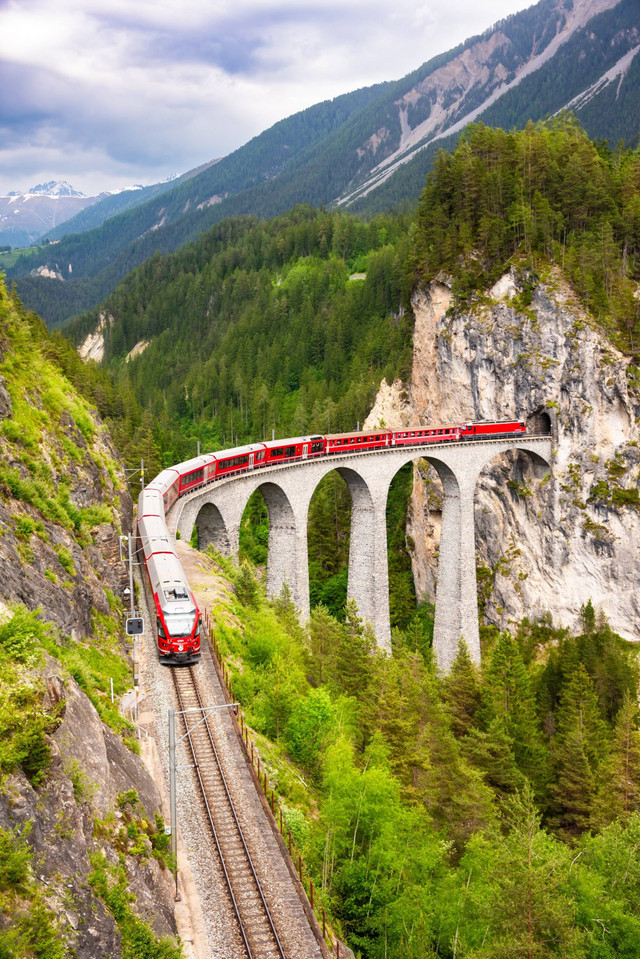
(104, 94)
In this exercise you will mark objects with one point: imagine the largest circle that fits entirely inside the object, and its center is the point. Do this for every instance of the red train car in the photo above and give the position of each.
(357, 442)
(422, 434)
(301, 447)
(176, 611)
(495, 430)
(240, 459)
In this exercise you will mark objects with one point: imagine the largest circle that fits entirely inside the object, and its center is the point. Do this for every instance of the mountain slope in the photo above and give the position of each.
(373, 148)
(584, 55)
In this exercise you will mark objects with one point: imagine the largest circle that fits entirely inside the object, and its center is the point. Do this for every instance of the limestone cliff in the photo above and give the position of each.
(528, 350)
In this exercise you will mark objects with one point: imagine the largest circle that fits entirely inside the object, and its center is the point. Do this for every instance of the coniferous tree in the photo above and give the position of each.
(351, 668)
(509, 702)
(578, 746)
(461, 690)
(619, 790)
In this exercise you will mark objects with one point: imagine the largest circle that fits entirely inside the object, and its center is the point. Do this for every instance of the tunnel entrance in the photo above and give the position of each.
(539, 423)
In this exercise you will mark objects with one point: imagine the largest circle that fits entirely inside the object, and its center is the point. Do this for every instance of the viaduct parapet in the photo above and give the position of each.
(217, 512)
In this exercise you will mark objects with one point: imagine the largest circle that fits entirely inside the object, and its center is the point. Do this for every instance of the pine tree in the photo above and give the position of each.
(509, 702)
(532, 913)
(461, 691)
(352, 663)
(573, 788)
(578, 746)
(619, 792)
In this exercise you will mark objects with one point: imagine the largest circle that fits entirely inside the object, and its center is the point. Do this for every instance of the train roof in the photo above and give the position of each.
(291, 441)
(154, 535)
(239, 451)
(165, 479)
(168, 580)
(195, 463)
(150, 502)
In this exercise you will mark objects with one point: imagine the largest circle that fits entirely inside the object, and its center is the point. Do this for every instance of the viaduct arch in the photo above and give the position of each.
(217, 511)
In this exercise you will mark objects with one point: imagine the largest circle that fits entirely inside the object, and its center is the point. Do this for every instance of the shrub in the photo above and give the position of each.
(310, 727)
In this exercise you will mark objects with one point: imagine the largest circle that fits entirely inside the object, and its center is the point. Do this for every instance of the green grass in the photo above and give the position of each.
(9, 259)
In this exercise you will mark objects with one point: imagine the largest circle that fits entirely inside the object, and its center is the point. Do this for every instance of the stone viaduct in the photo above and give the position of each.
(217, 512)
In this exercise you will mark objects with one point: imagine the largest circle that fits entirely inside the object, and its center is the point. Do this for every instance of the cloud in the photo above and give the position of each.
(123, 92)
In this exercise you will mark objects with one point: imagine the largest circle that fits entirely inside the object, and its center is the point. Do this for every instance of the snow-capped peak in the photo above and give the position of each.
(54, 188)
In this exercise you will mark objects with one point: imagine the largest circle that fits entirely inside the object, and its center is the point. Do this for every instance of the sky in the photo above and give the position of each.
(106, 95)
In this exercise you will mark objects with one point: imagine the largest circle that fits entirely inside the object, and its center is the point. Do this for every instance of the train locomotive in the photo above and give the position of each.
(178, 618)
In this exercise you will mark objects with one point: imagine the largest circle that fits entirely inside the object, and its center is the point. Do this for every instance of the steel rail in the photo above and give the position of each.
(204, 723)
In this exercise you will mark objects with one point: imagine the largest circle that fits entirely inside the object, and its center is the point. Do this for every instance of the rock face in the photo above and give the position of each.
(90, 767)
(529, 351)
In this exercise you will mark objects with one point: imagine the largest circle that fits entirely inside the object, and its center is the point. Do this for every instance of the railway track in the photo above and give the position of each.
(255, 922)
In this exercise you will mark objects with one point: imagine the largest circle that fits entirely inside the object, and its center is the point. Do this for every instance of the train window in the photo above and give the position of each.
(316, 447)
(290, 451)
(234, 461)
(260, 455)
(279, 452)
(193, 477)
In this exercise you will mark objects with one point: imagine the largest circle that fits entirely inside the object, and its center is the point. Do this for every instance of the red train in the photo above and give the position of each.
(177, 614)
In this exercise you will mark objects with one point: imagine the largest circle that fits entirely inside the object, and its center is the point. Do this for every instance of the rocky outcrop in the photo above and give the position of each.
(528, 350)
(92, 347)
(90, 769)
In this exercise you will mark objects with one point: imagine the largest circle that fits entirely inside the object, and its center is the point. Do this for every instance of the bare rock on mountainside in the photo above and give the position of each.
(541, 545)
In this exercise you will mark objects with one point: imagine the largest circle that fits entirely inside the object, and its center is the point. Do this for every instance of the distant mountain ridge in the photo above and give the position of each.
(25, 217)
(371, 150)
(54, 188)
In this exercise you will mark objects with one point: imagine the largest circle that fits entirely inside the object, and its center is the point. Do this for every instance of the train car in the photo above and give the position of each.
(178, 620)
(240, 459)
(492, 430)
(167, 483)
(301, 447)
(177, 629)
(154, 536)
(358, 441)
(191, 474)
(423, 434)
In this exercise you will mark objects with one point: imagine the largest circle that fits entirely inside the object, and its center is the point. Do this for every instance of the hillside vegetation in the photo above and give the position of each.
(260, 327)
(494, 813)
(542, 195)
(63, 502)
